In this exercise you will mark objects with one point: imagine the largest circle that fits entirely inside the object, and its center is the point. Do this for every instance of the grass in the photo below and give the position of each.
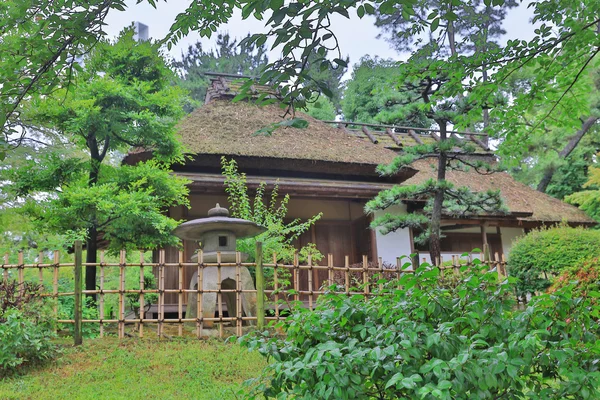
(139, 369)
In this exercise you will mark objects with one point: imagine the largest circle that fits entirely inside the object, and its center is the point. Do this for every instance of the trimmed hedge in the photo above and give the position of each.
(536, 258)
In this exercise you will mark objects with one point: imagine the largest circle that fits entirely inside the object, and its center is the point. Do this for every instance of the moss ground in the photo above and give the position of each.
(139, 369)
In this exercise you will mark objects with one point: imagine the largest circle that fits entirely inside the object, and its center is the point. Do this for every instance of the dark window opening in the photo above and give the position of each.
(462, 242)
(222, 241)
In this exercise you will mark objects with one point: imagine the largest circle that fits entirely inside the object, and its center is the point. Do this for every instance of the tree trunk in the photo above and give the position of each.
(92, 240)
(564, 153)
(435, 249)
(91, 257)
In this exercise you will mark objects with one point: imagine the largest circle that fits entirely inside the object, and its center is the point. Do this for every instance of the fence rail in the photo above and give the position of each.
(270, 300)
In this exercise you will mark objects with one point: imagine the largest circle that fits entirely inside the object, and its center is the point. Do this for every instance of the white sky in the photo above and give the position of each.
(357, 37)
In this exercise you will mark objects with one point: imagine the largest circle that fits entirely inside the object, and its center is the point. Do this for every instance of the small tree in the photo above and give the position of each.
(269, 212)
(122, 98)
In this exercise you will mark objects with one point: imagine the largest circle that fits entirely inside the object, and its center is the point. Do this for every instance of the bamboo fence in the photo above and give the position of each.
(273, 302)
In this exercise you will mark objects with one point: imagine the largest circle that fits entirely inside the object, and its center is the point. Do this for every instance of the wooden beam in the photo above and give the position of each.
(369, 135)
(435, 136)
(394, 137)
(415, 137)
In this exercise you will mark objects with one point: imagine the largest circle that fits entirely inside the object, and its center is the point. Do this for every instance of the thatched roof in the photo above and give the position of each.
(519, 198)
(227, 128)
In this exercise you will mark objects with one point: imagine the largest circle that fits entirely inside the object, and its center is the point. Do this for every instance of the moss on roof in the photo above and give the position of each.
(519, 198)
(224, 127)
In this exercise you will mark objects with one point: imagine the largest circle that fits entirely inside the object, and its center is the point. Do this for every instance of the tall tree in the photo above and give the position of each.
(123, 98)
(373, 95)
(229, 57)
(538, 149)
(39, 42)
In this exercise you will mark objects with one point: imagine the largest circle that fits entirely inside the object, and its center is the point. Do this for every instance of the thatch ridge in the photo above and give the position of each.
(519, 198)
(224, 127)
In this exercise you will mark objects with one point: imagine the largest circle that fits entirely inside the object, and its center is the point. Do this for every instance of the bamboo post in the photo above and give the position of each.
(260, 287)
(486, 255)
(414, 260)
(5, 272)
(498, 266)
(310, 283)
(77, 332)
(504, 266)
(21, 268)
(399, 269)
(329, 269)
(180, 297)
(142, 288)
(366, 274)
(122, 261)
(199, 292)
(238, 294)
(380, 264)
(276, 286)
(220, 295)
(54, 282)
(161, 292)
(101, 311)
(296, 277)
(40, 269)
(347, 274)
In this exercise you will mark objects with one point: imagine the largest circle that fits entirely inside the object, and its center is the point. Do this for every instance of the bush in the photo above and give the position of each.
(586, 276)
(536, 258)
(26, 327)
(424, 342)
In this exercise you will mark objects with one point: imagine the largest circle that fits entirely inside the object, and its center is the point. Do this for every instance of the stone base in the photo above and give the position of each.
(228, 282)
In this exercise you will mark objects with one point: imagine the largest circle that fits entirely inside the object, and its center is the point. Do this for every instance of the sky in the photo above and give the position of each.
(357, 37)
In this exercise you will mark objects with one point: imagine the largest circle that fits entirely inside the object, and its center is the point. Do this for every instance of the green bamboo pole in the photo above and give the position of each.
(260, 287)
(78, 335)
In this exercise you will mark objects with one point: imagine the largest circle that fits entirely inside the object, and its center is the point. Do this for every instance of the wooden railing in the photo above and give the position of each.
(274, 296)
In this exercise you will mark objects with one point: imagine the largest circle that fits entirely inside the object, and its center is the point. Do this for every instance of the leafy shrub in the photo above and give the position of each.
(66, 310)
(424, 342)
(26, 326)
(542, 254)
(587, 276)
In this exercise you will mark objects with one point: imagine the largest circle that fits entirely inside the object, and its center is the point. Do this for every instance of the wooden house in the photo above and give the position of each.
(330, 168)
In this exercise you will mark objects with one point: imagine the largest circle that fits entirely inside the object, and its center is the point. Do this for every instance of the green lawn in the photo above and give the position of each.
(139, 369)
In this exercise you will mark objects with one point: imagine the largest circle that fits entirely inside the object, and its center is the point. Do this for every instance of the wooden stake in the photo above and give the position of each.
(199, 291)
(238, 294)
(366, 274)
(276, 286)
(310, 283)
(219, 294)
(54, 282)
(101, 312)
(5, 272)
(180, 297)
(122, 262)
(142, 288)
(260, 287)
(77, 333)
(296, 277)
(161, 291)
(329, 269)
(40, 269)
(20, 269)
(347, 274)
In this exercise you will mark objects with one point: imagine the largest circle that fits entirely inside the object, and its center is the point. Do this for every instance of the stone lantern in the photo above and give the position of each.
(218, 233)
